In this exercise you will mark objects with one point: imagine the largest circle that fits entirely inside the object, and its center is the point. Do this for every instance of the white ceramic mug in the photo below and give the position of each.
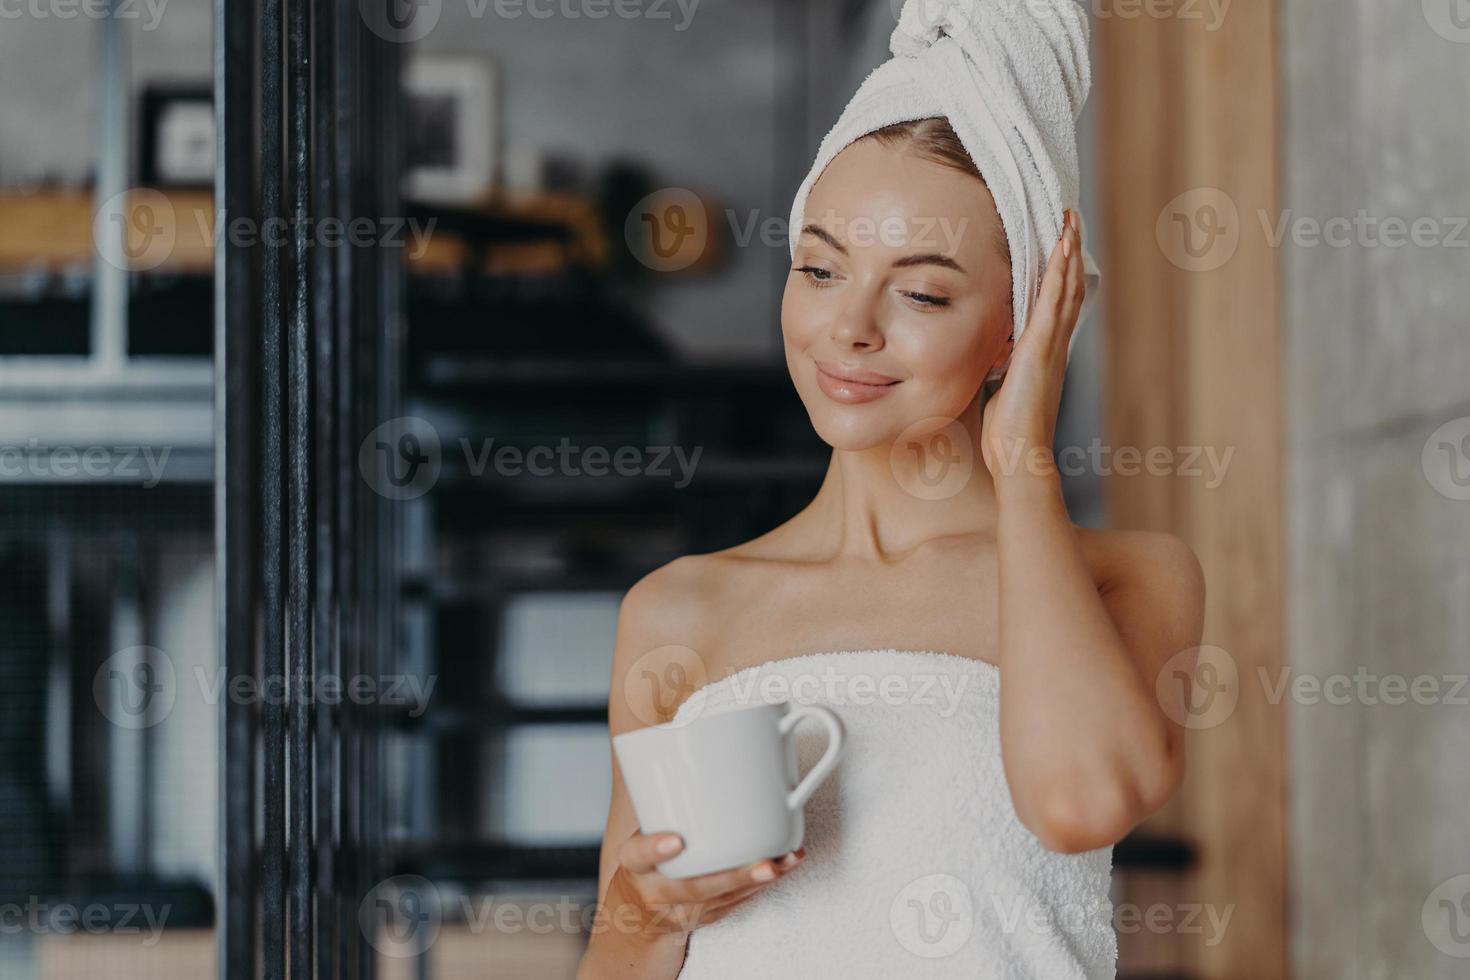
(725, 782)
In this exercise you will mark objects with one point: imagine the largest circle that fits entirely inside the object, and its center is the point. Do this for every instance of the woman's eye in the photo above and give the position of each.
(924, 299)
(814, 274)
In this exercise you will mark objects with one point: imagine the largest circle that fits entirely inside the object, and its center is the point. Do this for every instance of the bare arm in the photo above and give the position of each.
(644, 919)
(1089, 748)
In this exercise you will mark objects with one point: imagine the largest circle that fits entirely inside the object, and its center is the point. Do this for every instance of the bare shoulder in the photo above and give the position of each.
(666, 604)
(670, 625)
(678, 601)
(1151, 578)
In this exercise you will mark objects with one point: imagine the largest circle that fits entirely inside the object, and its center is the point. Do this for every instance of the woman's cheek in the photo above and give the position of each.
(944, 357)
(798, 318)
(929, 349)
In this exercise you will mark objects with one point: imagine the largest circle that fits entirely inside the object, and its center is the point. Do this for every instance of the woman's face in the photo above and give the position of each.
(899, 299)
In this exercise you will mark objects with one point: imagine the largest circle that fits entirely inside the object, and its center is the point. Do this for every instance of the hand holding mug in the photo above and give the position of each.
(672, 908)
(725, 783)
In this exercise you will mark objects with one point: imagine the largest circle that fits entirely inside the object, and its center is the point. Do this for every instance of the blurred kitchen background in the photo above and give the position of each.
(592, 245)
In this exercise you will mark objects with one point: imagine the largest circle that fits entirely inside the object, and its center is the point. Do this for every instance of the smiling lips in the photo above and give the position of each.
(852, 386)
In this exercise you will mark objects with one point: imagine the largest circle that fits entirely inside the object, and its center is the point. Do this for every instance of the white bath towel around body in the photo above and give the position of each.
(917, 866)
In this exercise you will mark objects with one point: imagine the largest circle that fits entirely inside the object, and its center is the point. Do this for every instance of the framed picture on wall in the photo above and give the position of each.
(451, 129)
(176, 132)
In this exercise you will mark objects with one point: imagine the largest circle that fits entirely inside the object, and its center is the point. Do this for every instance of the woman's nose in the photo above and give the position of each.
(856, 327)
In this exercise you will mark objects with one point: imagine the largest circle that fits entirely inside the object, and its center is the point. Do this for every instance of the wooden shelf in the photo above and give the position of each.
(52, 230)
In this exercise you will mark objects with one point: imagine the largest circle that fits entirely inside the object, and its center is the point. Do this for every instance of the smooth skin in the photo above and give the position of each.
(1081, 622)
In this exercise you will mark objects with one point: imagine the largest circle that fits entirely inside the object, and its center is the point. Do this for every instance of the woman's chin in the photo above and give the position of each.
(852, 431)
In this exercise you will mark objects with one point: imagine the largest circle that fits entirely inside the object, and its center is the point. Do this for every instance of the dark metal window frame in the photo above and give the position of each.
(306, 364)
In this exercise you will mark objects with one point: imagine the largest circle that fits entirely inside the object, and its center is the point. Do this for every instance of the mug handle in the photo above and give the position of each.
(797, 798)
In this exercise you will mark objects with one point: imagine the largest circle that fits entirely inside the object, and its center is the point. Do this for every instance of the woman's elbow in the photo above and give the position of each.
(1072, 823)
(1079, 818)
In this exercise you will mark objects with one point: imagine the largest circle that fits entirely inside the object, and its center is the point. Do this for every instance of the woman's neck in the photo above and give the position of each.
(882, 503)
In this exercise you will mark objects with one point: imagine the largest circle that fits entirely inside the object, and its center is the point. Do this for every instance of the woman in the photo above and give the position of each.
(972, 841)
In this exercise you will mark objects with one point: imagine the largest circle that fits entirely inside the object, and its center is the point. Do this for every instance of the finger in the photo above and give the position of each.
(704, 888)
(641, 853)
(1048, 300)
(722, 907)
(784, 866)
(1076, 270)
(691, 913)
(712, 916)
(734, 898)
(1072, 302)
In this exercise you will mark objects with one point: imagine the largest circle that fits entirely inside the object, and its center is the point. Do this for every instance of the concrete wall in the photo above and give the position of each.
(49, 78)
(1378, 550)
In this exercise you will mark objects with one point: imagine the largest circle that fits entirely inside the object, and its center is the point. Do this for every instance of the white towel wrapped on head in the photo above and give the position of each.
(1011, 77)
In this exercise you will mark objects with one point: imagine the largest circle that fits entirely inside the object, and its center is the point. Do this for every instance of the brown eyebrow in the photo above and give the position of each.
(825, 236)
(928, 258)
(932, 258)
